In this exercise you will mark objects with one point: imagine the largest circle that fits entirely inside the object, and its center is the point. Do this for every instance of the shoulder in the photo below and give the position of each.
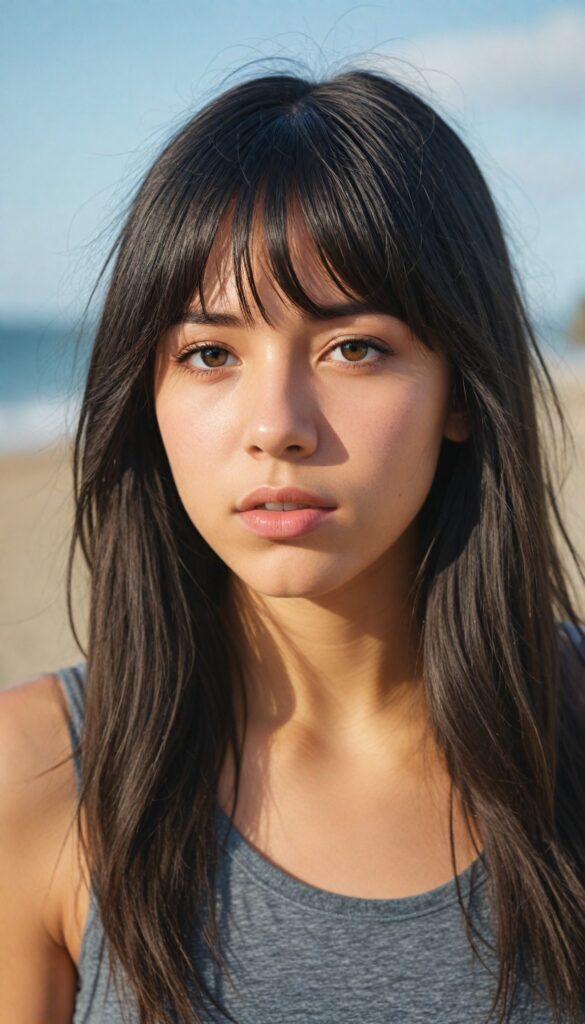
(37, 703)
(38, 851)
(33, 736)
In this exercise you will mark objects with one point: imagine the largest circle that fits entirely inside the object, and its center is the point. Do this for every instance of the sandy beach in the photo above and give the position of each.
(35, 522)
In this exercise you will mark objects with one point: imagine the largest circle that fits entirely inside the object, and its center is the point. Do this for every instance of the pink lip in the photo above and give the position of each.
(282, 525)
(286, 495)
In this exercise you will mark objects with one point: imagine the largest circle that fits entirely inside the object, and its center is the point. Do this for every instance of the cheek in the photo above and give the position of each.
(194, 444)
(191, 430)
(200, 447)
(395, 447)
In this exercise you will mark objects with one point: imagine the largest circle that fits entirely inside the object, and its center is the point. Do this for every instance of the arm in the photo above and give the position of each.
(37, 973)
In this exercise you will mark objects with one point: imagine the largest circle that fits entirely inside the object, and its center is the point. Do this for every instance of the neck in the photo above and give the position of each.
(340, 669)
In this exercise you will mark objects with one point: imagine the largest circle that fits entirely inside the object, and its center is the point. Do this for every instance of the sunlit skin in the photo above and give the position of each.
(322, 620)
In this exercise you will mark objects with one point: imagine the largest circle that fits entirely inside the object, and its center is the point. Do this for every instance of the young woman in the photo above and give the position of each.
(328, 741)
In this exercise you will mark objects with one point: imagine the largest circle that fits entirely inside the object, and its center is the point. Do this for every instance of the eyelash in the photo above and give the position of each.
(214, 371)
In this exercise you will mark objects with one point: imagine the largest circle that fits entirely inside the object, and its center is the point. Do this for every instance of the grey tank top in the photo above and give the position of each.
(297, 953)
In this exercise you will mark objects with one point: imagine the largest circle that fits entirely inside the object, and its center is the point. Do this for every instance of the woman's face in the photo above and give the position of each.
(352, 409)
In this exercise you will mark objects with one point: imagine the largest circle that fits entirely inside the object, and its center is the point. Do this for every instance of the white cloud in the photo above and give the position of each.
(538, 66)
(516, 94)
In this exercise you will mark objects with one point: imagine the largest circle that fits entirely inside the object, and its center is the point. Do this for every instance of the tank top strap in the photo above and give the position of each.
(576, 634)
(73, 682)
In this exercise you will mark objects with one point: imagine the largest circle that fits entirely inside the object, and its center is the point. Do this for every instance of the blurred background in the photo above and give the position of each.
(91, 93)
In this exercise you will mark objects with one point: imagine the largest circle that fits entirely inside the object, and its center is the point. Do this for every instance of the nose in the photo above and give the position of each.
(281, 414)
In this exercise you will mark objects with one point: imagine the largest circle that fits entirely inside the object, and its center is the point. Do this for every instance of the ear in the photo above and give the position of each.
(457, 425)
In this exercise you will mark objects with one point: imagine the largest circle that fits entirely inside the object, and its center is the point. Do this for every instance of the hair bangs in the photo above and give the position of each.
(288, 200)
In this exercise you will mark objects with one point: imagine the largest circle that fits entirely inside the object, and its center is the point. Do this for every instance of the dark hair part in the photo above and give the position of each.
(400, 215)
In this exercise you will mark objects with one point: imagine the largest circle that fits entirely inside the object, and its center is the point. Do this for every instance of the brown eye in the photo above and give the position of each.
(355, 352)
(213, 356)
(354, 349)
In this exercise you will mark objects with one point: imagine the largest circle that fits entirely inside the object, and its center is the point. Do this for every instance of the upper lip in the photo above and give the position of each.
(285, 495)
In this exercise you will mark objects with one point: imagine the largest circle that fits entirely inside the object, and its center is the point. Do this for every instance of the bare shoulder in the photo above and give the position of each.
(39, 862)
(33, 723)
(34, 737)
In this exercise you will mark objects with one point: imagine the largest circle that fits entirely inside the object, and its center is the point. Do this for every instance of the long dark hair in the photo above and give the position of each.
(401, 216)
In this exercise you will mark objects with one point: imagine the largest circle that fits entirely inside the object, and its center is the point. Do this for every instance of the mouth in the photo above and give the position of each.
(284, 520)
(282, 499)
(282, 506)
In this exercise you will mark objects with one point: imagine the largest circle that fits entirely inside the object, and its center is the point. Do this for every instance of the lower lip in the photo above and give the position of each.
(284, 524)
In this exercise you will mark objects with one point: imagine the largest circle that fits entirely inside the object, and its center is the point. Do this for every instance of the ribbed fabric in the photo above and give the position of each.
(297, 953)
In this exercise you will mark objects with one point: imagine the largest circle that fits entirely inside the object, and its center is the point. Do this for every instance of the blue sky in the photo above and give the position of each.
(91, 89)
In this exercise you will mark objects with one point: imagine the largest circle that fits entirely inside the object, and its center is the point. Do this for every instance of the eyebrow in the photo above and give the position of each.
(335, 312)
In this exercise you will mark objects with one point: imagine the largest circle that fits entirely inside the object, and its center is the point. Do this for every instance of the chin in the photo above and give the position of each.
(298, 578)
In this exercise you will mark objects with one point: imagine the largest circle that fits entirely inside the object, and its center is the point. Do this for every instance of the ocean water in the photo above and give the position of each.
(43, 367)
(42, 370)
